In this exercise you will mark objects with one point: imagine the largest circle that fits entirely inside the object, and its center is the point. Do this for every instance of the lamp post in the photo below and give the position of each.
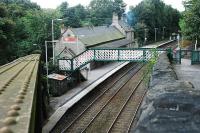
(178, 38)
(182, 40)
(155, 33)
(47, 68)
(145, 35)
(46, 58)
(52, 32)
(195, 46)
(163, 33)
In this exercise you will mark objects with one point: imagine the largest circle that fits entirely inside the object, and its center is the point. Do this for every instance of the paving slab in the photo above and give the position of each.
(187, 72)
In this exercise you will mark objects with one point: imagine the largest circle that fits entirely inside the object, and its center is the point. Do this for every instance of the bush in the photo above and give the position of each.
(185, 43)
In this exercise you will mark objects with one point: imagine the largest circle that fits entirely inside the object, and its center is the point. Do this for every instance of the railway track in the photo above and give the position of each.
(105, 119)
(17, 93)
(125, 118)
(121, 76)
(112, 110)
(112, 92)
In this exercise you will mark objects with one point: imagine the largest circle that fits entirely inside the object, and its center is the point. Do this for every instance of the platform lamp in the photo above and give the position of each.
(46, 58)
(163, 36)
(155, 33)
(52, 25)
(195, 45)
(145, 35)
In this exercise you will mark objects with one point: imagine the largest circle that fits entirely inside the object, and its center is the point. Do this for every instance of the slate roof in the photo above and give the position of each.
(91, 36)
(115, 44)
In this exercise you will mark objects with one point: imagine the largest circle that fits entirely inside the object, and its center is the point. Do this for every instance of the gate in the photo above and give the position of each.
(187, 54)
(195, 57)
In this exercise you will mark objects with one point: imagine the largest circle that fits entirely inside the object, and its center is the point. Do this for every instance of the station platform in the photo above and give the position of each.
(61, 104)
(187, 72)
(157, 44)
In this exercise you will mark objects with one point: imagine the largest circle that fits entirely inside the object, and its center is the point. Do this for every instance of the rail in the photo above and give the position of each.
(80, 123)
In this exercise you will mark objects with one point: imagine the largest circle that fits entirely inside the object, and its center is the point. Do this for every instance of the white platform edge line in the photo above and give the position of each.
(165, 43)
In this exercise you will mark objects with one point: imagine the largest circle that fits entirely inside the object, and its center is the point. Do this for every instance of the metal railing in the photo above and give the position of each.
(189, 54)
(108, 54)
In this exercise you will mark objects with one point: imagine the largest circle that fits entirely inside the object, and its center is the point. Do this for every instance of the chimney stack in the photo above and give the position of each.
(124, 18)
(115, 18)
(63, 29)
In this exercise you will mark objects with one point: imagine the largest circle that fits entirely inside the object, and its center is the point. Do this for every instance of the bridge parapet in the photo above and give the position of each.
(18, 91)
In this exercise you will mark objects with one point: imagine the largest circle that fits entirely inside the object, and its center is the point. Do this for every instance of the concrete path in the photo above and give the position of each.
(186, 71)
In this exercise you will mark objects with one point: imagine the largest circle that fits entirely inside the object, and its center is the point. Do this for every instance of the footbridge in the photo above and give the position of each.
(125, 54)
(109, 54)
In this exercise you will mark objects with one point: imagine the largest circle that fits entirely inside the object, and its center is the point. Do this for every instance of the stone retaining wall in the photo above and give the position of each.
(171, 105)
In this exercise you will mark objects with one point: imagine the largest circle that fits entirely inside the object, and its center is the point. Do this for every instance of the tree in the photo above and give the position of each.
(22, 24)
(62, 8)
(141, 32)
(37, 28)
(101, 10)
(190, 23)
(73, 16)
(6, 33)
(155, 14)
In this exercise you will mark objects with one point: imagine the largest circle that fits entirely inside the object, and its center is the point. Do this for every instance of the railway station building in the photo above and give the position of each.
(74, 41)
